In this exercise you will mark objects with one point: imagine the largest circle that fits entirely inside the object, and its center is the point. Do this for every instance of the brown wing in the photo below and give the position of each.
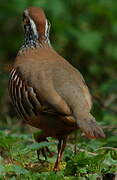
(26, 99)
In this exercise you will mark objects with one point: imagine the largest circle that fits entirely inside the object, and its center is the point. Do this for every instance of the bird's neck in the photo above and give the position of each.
(33, 41)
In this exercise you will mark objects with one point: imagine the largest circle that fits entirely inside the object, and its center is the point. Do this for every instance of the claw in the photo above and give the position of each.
(56, 169)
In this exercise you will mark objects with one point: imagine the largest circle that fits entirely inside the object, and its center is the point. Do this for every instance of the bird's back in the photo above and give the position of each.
(67, 80)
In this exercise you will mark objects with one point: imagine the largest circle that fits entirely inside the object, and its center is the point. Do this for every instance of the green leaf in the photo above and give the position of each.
(16, 169)
(2, 169)
(109, 161)
(36, 146)
(93, 176)
(90, 41)
(111, 50)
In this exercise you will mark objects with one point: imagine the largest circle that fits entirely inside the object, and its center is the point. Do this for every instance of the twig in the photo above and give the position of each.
(81, 150)
(111, 148)
(104, 105)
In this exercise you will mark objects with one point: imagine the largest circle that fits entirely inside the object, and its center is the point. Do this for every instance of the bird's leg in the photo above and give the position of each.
(46, 149)
(61, 147)
(75, 146)
(56, 166)
(40, 137)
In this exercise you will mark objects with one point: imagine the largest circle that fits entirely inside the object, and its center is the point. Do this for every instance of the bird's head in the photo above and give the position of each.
(35, 23)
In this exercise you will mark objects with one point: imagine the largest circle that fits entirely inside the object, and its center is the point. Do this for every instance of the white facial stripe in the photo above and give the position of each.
(46, 28)
(33, 26)
(26, 13)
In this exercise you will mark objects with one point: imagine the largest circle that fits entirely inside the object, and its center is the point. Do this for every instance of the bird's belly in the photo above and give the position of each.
(54, 126)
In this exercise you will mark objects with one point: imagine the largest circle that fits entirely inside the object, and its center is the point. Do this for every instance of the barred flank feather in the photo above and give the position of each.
(24, 97)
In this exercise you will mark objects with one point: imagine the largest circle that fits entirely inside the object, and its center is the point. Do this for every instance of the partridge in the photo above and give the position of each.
(46, 90)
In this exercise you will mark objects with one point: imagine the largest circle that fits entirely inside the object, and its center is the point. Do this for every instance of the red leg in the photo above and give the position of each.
(61, 147)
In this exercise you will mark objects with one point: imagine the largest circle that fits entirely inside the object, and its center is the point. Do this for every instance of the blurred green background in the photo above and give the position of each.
(84, 32)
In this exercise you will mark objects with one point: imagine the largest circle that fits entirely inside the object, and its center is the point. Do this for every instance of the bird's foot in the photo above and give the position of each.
(40, 136)
(45, 153)
(56, 169)
(56, 166)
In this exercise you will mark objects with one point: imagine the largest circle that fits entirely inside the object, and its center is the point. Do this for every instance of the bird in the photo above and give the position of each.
(46, 90)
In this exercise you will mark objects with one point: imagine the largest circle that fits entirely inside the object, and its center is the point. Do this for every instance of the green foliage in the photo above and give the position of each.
(84, 163)
(90, 41)
(18, 160)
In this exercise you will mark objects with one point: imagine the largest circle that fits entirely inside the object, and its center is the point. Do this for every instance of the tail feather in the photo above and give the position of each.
(90, 127)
